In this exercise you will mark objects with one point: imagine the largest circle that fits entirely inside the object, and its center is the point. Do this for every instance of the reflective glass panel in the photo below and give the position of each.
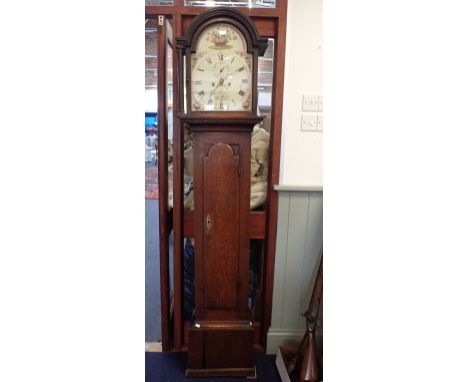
(260, 144)
(151, 110)
(152, 287)
(265, 83)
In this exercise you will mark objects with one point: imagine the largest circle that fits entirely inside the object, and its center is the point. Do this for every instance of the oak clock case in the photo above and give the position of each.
(221, 49)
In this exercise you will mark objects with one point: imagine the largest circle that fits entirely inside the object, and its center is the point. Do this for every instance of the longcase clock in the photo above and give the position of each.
(221, 49)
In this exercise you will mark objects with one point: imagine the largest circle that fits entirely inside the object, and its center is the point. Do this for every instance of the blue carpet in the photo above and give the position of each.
(170, 367)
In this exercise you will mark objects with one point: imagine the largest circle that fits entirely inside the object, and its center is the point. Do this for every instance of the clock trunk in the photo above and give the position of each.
(221, 336)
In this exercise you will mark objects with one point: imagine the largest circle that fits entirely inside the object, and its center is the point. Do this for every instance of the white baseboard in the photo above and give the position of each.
(277, 337)
(153, 347)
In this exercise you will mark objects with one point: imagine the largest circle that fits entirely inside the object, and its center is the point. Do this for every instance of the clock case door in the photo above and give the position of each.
(222, 335)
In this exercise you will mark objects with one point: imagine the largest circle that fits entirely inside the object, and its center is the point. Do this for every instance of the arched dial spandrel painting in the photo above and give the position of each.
(221, 71)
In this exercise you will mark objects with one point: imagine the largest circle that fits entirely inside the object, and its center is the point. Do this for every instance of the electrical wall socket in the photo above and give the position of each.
(319, 122)
(309, 122)
(310, 103)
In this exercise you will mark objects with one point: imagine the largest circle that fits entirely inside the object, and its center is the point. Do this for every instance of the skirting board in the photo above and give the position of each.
(152, 347)
(293, 188)
(286, 337)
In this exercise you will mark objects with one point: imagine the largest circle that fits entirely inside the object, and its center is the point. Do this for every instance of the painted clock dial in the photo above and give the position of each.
(221, 71)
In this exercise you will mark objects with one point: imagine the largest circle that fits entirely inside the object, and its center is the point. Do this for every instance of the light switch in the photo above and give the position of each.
(319, 122)
(309, 122)
(310, 103)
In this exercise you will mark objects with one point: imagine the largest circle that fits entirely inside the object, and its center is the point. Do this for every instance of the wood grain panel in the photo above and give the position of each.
(221, 211)
(257, 223)
(237, 342)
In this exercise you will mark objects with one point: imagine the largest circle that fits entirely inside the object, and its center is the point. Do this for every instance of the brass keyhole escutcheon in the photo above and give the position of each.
(208, 222)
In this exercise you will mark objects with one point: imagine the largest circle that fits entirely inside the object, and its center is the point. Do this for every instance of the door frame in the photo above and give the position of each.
(270, 22)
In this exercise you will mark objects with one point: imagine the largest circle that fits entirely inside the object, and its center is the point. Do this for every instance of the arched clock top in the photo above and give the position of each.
(221, 48)
(228, 16)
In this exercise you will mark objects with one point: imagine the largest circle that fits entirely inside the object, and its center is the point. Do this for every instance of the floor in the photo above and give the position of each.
(170, 367)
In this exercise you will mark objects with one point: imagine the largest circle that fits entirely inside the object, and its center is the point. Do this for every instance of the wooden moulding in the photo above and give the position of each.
(257, 325)
(274, 164)
(163, 189)
(151, 10)
(199, 119)
(178, 184)
(266, 26)
(223, 14)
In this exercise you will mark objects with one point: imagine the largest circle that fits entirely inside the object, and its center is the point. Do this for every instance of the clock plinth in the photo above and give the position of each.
(221, 348)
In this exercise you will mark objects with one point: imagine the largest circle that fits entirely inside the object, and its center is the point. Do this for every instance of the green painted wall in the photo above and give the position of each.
(298, 249)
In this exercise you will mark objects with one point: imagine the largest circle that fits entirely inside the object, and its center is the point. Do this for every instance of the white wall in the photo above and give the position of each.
(301, 151)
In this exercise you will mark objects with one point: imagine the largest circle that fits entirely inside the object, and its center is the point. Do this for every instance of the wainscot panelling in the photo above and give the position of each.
(298, 249)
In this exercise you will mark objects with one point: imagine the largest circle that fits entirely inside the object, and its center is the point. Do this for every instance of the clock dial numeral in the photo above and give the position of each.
(223, 82)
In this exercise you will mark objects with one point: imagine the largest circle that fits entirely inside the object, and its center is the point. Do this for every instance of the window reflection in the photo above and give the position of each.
(151, 110)
(265, 83)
